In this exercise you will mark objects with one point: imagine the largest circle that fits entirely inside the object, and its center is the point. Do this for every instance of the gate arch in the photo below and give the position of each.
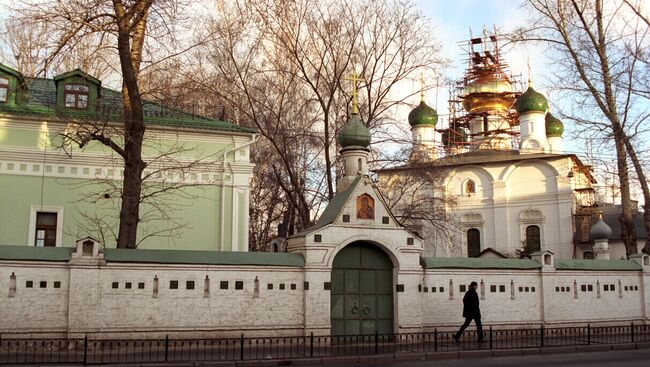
(361, 291)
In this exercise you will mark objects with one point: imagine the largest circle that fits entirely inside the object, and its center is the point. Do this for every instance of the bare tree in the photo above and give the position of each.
(281, 66)
(597, 48)
(140, 33)
(416, 196)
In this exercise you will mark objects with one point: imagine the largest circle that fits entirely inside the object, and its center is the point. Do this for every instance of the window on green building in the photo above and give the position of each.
(4, 89)
(76, 96)
(45, 229)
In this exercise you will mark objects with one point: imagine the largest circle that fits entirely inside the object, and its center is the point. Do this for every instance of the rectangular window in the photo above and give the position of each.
(590, 287)
(583, 287)
(493, 288)
(502, 288)
(189, 284)
(462, 288)
(4, 89)
(76, 96)
(606, 287)
(173, 284)
(45, 229)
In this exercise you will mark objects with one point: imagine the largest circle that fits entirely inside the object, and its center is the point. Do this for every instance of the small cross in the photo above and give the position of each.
(422, 87)
(354, 78)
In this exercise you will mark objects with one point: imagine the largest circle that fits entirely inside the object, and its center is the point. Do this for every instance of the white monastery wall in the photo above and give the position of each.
(121, 299)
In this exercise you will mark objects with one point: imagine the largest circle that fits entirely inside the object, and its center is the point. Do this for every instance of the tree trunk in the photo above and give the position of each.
(628, 232)
(130, 40)
(644, 187)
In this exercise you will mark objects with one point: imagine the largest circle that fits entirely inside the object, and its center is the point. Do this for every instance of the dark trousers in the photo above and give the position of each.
(468, 320)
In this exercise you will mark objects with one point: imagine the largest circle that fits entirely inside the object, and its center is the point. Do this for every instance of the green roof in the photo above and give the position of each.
(354, 134)
(561, 264)
(478, 263)
(554, 127)
(531, 100)
(333, 208)
(31, 253)
(423, 115)
(35, 253)
(204, 257)
(40, 100)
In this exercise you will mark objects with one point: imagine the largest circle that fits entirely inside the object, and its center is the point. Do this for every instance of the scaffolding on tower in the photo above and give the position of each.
(485, 93)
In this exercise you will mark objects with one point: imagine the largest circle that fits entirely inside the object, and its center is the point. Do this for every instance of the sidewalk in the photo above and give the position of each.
(387, 358)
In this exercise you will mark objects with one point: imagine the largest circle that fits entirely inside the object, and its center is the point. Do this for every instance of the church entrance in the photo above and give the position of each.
(362, 291)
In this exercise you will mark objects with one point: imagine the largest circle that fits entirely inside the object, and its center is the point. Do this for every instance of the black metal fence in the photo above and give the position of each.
(85, 350)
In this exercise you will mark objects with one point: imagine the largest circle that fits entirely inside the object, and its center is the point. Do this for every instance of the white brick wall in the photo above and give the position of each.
(87, 302)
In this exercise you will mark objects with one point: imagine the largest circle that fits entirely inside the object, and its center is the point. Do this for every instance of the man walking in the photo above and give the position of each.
(471, 311)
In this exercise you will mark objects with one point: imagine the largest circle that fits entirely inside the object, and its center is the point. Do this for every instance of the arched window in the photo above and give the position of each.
(473, 242)
(470, 187)
(359, 165)
(533, 242)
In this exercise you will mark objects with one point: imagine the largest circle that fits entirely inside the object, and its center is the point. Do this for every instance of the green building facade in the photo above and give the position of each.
(57, 185)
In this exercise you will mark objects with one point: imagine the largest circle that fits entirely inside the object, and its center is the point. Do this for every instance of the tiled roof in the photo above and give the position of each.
(334, 208)
(479, 157)
(31, 253)
(478, 263)
(42, 102)
(564, 264)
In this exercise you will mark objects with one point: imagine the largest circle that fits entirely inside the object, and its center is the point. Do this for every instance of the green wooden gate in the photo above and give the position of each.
(362, 291)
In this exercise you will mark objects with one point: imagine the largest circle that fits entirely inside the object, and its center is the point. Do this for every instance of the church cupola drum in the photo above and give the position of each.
(423, 120)
(481, 102)
(354, 140)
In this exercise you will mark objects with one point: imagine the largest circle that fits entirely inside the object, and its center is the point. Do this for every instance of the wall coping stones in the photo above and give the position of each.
(31, 253)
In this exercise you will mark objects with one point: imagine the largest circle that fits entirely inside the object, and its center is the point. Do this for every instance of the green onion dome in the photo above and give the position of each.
(554, 126)
(354, 134)
(423, 115)
(453, 136)
(531, 101)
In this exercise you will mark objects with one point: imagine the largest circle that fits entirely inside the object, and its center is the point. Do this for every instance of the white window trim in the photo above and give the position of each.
(31, 235)
(532, 220)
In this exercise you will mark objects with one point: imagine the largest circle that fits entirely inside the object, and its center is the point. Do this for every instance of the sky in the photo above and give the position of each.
(452, 21)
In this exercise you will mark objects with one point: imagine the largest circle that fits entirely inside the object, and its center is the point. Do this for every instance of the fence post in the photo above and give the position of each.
(541, 336)
(241, 347)
(85, 348)
(588, 334)
(435, 339)
(490, 336)
(376, 341)
(632, 331)
(311, 344)
(166, 346)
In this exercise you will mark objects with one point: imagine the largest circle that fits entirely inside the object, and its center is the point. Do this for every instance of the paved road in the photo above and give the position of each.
(616, 358)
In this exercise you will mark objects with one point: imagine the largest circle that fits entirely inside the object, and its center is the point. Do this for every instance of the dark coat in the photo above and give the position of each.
(470, 304)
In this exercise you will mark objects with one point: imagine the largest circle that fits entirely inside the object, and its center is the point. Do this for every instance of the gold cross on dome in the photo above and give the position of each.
(422, 87)
(354, 78)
